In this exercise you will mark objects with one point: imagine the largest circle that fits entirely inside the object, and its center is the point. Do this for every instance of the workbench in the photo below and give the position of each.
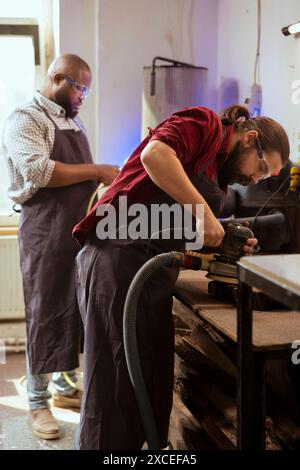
(278, 276)
(270, 334)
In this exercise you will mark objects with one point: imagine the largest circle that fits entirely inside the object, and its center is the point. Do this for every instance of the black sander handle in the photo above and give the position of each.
(236, 236)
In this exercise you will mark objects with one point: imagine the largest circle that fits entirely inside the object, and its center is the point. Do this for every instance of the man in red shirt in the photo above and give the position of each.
(190, 158)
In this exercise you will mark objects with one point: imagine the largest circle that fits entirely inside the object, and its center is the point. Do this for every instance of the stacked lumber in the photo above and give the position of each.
(204, 409)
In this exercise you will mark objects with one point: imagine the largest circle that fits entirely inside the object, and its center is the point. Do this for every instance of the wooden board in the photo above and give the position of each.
(272, 330)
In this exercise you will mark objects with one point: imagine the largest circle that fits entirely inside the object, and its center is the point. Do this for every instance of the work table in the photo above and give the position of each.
(273, 333)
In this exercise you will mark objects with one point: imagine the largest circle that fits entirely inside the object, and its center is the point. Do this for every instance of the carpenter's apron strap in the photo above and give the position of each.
(48, 115)
(46, 112)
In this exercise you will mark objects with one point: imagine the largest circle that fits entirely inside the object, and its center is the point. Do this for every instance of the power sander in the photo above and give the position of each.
(222, 265)
(222, 269)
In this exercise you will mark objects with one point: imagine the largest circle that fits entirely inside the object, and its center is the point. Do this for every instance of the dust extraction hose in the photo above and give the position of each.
(171, 259)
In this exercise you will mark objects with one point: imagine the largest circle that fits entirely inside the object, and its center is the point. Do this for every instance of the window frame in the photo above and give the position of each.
(40, 29)
(31, 30)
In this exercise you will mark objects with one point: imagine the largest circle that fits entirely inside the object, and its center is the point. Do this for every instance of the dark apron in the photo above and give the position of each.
(109, 415)
(47, 253)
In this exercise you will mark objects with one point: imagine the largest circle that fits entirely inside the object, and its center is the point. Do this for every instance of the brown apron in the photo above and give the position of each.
(109, 415)
(47, 253)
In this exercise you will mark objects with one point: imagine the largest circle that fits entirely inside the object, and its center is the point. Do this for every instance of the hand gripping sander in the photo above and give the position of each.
(221, 266)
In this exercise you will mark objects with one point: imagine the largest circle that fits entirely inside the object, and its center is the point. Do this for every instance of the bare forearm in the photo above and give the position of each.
(65, 174)
(166, 171)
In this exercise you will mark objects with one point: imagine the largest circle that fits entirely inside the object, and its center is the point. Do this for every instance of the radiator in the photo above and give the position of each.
(11, 288)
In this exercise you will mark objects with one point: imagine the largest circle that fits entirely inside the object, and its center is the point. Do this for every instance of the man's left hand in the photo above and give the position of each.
(251, 247)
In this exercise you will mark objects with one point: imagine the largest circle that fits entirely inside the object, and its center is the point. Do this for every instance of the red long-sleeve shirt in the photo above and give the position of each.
(196, 136)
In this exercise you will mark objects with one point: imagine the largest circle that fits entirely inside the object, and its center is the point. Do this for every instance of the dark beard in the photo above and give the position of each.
(62, 100)
(70, 113)
(230, 172)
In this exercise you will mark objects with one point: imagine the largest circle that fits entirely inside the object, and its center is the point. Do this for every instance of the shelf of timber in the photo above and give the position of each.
(204, 406)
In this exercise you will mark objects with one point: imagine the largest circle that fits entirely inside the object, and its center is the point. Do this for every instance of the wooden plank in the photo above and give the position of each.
(197, 360)
(199, 338)
(272, 330)
(212, 408)
(200, 407)
(185, 432)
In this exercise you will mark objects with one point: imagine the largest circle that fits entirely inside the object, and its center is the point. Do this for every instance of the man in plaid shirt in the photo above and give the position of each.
(52, 177)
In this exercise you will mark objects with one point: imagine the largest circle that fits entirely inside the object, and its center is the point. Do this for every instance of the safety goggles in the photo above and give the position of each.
(264, 169)
(83, 89)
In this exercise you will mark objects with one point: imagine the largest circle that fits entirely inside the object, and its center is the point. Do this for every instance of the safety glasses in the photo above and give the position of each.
(83, 89)
(264, 169)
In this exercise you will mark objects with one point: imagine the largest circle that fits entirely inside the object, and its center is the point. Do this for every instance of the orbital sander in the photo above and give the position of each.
(223, 267)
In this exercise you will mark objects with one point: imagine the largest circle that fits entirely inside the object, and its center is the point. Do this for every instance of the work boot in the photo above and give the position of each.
(43, 424)
(67, 401)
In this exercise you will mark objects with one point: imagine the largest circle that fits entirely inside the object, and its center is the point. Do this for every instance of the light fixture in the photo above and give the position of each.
(291, 29)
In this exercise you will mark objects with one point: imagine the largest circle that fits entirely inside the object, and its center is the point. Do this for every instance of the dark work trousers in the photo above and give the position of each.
(110, 418)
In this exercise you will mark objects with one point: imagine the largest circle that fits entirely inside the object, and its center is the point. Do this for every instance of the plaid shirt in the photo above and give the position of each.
(28, 139)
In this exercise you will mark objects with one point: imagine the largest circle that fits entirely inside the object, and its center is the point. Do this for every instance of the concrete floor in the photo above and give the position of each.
(14, 430)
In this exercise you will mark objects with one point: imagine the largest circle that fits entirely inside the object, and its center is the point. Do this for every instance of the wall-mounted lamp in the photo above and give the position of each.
(291, 29)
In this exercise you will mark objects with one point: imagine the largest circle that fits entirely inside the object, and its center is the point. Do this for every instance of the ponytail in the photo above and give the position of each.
(271, 134)
(233, 115)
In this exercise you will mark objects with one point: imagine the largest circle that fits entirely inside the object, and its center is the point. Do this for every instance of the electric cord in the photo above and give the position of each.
(94, 195)
(23, 381)
(268, 200)
(257, 57)
(69, 381)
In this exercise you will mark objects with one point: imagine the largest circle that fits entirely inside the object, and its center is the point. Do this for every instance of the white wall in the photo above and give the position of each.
(132, 33)
(78, 34)
(117, 38)
(280, 56)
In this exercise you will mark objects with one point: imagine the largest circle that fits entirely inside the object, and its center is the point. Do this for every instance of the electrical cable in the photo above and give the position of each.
(254, 102)
(23, 381)
(268, 200)
(95, 193)
(69, 381)
(257, 57)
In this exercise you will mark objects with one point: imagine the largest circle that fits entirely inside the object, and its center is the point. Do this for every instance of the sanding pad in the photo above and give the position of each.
(223, 272)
